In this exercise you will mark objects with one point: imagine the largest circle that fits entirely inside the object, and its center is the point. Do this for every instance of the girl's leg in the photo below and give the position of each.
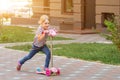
(27, 57)
(46, 50)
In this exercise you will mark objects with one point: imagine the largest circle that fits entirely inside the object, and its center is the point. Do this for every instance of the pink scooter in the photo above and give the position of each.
(50, 71)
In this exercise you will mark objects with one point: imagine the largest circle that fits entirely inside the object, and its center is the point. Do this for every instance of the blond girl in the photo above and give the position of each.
(39, 43)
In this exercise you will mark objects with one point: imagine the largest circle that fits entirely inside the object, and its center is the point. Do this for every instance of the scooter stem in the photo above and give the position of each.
(51, 47)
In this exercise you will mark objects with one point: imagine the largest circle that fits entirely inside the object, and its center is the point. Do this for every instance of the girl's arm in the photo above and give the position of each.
(41, 36)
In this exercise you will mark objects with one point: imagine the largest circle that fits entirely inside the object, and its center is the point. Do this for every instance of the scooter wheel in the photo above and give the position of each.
(58, 71)
(48, 72)
(38, 69)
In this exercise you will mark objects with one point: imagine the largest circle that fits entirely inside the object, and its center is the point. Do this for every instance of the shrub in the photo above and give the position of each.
(113, 28)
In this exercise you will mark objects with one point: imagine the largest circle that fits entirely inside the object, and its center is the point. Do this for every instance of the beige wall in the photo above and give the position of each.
(55, 9)
(77, 15)
(57, 17)
(77, 10)
(108, 6)
(38, 8)
(37, 4)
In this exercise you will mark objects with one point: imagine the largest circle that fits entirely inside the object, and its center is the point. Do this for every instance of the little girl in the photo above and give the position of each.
(39, 43)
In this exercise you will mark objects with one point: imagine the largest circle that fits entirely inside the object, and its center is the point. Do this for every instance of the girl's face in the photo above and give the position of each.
(45, 24)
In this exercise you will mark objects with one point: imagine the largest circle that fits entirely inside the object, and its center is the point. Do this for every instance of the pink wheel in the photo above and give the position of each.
(58, 71)
(48, 72)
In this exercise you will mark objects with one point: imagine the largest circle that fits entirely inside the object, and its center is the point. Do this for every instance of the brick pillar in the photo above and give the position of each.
(77, 14)
(37, 6)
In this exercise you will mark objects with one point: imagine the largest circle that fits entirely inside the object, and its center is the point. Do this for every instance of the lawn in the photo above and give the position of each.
(15, 34)
(9, 34)
(104, 53)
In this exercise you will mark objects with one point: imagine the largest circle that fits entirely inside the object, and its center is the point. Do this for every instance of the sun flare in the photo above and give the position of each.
(4, 4)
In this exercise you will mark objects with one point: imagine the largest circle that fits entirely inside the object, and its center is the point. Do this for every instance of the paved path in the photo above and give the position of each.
(71, 69)
(89, 38)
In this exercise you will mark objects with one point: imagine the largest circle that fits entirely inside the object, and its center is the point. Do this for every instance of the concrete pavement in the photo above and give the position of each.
(71, 69)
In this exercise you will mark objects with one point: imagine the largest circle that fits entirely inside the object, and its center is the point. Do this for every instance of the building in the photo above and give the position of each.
(77, 16)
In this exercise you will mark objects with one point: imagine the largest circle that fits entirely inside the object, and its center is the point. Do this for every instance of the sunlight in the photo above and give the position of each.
(5, 5)
(17, 7)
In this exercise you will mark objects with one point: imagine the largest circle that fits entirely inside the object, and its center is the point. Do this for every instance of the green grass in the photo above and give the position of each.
(105, 53)
(9, 34)
(15, 34)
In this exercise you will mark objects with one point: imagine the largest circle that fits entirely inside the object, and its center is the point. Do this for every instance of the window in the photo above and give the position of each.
(67, 6)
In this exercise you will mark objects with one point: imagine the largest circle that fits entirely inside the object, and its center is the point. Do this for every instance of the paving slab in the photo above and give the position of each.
(71, 69)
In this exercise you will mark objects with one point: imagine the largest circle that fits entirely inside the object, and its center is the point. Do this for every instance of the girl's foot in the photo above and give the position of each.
(18, 66)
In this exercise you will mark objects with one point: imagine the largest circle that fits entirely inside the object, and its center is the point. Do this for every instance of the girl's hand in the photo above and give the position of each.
(45, 31)
(41, 36)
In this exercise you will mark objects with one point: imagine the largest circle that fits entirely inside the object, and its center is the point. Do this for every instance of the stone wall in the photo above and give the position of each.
(106, 6)
(24, 21)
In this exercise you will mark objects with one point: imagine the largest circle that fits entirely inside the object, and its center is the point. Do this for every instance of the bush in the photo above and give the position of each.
(7, 15)
(113, 28)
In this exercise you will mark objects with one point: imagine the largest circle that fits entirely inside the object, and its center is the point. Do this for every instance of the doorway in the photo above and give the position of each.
(88, 14)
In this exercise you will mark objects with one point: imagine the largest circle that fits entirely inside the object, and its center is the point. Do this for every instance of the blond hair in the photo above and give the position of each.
(43, 18)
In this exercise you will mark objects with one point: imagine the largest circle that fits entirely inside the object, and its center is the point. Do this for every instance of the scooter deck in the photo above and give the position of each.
(41, 72)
